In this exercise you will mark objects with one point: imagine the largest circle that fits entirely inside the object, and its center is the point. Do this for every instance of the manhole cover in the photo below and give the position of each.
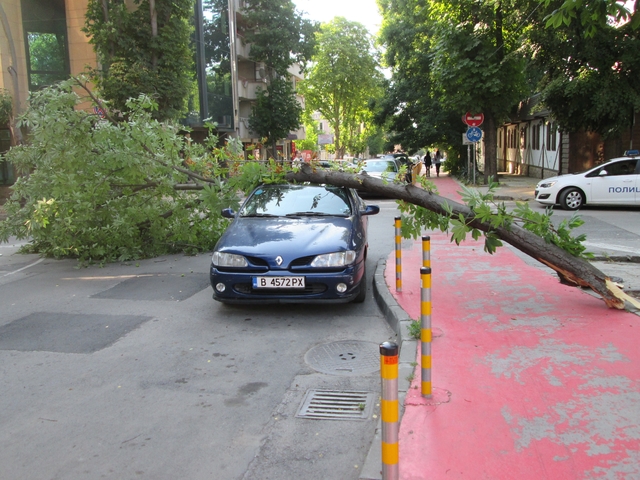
(336, 405)
(344, 358)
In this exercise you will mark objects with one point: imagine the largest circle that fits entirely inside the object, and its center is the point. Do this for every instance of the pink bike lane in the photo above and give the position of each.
(531, 378)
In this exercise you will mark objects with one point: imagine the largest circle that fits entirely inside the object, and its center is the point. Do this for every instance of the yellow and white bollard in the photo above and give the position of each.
(426, 251)
(425, 330)
(389, 410)
(398, 225)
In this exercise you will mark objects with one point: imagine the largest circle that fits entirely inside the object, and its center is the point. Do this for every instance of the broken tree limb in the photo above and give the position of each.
(572, 270)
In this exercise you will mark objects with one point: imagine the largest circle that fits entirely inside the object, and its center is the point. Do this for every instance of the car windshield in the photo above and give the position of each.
(297, 200)
(379, 166)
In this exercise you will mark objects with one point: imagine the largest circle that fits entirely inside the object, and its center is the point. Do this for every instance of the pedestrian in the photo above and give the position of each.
(427, 163)
(437, 159)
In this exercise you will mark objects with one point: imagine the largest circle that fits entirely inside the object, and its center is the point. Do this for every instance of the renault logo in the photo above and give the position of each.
(279, 260)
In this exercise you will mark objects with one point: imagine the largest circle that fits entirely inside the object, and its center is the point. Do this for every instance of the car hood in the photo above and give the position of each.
(560, 178)
(290, 238)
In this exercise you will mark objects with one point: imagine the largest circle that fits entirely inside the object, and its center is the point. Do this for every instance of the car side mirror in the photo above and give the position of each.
(371, 210)
(603, 173)
(228, 213)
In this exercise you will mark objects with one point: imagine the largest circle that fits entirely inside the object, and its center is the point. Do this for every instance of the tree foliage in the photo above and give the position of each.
(279, 38)
(591, 16)
(278, 34)
(341, 82)
(144, 50)
(463, 56)
(102, 190)
(276, 112)
(590, 79)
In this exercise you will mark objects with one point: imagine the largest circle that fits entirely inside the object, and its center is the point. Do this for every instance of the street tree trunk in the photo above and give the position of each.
(490, 150)
(572, 270)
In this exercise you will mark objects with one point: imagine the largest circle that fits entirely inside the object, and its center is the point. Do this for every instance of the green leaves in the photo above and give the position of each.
(484, 210)
(341, 82)
(104, 191)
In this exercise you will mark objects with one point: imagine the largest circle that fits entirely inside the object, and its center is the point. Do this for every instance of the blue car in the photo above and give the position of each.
(293, 244)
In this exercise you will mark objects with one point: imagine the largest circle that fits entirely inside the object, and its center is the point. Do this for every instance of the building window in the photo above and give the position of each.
(321, 127)
(45, 36)
(535, 137)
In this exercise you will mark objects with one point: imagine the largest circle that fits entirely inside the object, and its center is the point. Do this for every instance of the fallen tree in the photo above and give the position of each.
(571, 269)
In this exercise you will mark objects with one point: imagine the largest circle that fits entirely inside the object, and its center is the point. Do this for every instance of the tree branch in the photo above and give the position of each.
(575, 270)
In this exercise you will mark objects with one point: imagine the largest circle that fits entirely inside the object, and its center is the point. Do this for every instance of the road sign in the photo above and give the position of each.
(474, 134)
(473, 119)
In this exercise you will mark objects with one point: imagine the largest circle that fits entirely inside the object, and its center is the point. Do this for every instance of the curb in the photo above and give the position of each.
(399, 321)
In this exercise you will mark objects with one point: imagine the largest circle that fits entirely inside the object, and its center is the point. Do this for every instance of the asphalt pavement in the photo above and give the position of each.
(531, 379)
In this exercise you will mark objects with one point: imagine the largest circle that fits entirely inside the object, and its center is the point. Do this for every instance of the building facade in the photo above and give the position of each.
(531, 144)
(41, 42)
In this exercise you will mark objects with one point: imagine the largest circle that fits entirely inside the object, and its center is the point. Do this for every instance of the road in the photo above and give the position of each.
(611, 232)
(133, 371)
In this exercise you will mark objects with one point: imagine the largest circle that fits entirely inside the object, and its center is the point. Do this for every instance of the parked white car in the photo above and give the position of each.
(616, 182)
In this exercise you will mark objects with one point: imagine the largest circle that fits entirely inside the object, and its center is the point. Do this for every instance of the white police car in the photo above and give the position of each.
(616, 182)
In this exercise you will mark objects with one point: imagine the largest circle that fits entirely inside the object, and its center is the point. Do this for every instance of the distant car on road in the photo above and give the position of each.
(616, 182)
(386, 168)
(401, 159)
(294, 244)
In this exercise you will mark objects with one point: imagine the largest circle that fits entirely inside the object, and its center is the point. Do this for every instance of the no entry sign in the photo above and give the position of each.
(473, 119)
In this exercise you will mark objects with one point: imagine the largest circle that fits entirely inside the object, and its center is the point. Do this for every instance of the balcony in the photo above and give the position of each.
(242, 50)
(247, 88)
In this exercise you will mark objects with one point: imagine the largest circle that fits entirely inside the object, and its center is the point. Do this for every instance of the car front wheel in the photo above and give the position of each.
(571, 199)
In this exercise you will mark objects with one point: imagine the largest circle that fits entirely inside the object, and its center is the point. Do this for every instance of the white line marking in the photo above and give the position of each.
(23, 268)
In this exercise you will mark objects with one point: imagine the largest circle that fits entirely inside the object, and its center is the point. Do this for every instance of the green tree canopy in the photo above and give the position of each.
(106, 190)
(342, 80)
(468, 56)
(276, 112)
(143, 51)
(278, 34)
(279, 38)
(590, 79)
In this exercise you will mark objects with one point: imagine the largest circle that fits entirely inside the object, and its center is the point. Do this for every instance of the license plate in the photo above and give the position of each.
(278, 282)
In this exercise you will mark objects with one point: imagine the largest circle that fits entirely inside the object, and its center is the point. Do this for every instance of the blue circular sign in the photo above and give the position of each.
(474, 134)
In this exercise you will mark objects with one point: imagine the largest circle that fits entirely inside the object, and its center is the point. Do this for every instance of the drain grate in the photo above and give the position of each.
(336, 405)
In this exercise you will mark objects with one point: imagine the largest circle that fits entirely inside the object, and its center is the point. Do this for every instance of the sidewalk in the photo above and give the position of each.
(531, 379)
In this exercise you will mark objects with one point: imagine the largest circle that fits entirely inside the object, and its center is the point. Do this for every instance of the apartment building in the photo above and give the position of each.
(41, 42)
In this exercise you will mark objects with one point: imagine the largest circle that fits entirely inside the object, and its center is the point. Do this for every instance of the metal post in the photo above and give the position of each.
(425, 329)
(468, 162)
(475, 152)
(398, 224)
(389, 410)
(426, 251)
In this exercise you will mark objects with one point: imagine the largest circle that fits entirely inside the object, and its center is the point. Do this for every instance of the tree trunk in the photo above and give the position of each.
(572, 270)
(153, 13)
(490, 150)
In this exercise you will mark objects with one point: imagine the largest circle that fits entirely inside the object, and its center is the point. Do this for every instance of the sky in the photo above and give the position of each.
(363, 11)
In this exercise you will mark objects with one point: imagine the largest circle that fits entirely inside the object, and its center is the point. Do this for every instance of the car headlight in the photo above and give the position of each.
(337, 259)
(221, 259)
(546, 184)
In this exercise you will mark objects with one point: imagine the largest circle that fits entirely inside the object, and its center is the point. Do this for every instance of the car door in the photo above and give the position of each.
(615, 184)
